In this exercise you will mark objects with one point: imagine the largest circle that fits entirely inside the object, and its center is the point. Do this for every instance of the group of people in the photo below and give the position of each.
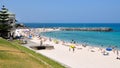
(72, 45)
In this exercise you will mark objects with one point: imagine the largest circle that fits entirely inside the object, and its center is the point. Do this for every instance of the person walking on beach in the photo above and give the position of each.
(72, 47)
(41, 43)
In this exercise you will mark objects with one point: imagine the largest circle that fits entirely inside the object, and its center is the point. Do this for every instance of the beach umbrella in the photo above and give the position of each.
(109, 49)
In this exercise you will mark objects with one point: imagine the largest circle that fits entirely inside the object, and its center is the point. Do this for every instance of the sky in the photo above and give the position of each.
(64, 11)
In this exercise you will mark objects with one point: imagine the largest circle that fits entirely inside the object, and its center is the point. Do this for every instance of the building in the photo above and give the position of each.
(7, 23)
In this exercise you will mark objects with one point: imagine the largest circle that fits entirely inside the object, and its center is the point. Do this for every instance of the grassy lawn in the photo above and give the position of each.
(13, 55)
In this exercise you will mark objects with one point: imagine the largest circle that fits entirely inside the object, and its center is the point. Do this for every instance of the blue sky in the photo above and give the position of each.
(65, 11)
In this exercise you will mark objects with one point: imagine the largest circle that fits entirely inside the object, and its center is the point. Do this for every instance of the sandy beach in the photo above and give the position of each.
(82, 57)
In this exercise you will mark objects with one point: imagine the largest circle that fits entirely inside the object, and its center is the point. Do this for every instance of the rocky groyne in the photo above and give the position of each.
(101, 29)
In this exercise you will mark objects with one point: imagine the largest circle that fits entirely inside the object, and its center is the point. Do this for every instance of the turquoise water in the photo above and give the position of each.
(91, 38)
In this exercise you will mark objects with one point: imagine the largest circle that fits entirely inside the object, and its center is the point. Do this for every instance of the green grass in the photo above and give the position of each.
(13, 55)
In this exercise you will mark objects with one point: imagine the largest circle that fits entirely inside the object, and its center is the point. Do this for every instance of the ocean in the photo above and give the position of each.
(91, 38)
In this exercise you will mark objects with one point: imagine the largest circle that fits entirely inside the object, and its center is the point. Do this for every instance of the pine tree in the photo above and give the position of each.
(4, 23)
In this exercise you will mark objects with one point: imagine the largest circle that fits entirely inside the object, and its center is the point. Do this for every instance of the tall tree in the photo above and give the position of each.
(4, 23)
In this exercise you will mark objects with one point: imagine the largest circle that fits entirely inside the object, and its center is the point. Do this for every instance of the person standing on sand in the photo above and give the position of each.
(41, 43)
(72, 47)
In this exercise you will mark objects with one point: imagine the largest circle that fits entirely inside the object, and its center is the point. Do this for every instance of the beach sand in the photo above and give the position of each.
(82, 57)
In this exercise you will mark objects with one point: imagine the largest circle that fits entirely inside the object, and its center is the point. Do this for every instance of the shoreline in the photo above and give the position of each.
(81, 43)
(76, 59)
(36, 32)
